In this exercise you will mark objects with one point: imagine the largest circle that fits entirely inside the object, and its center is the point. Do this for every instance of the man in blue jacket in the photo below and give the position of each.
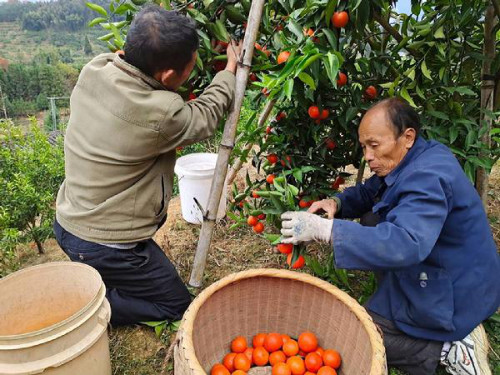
(425, 233)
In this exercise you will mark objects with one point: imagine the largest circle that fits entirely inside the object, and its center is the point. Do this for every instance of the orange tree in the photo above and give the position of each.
(325, 62)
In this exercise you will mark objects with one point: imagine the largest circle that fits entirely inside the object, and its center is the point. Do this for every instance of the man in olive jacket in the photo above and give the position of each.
(126, 122)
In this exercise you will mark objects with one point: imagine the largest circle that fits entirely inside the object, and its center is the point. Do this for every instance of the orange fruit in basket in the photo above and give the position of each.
(260, 356)
(281, 369)
(241, 362)
(332, 358)
(239, 372)
(258, 339)
(313, 362)
(228, 361)
(308, 342)
(307, 373)
(273, 342)
(320, 351)
(290, 348)
(277, 357)
(302, 353)
(239, 344)
(327, 370)
(219, 369)
(285, 337)
(249, 353)
(296, 364)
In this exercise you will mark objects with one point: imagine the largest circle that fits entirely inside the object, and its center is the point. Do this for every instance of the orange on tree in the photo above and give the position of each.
(191, 96)
(281, 368)
(219, 369)
(258, 228)
(313, 112)
(371, 92)
(242, 362)
(338, 181)
(258, 339)
(277, 356)
(280, 116)
(330, 144)
(296, 364)
(283, 57)
(273, 342)
(342, 80)
(239, 344)
(255, 194)
(332, 358)
(324, 114)
(326, 370)
(253, 77)
(303, 203)
(264, 91)
(269, 130)
(290, 348)
(228, 361)
(283, 162)
(252, 221)
(285, 248)
(313, 362)
(299, 263)
(261, 217)
(308, 32)
(260, 356)
(270, 179)
(272, 158)
(308, 342)
(340, 19)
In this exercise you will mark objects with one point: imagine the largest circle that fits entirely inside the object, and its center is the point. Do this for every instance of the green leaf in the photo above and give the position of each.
(97, 8)
(439, 34)
(453, 134)
(332, 67)
(438, 114)
(139, 2)
(166, 4)
(289, 88)
(470, 171)
(273, 238)
(297, 173)
(407, 97)
(106, 37)
(470, 139)
(221, 31)
(461, 90)
(306, 62)
(425, 71)
(118, 37)
(332, 38)
(314, 264)
(308, 80)
(295, 28)
(330, 9)
(96, 21)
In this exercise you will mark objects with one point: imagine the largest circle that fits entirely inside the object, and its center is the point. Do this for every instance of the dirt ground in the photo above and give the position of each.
(137, 350)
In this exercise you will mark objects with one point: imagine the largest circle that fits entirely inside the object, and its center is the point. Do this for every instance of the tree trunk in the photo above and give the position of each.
(39, 246)
(487, 97)
(227, 144)
(238, 163)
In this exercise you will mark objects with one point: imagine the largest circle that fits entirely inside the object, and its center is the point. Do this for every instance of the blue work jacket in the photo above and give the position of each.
(433, 245)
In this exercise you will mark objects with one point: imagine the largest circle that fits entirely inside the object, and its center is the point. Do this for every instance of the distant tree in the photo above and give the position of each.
(87, 47)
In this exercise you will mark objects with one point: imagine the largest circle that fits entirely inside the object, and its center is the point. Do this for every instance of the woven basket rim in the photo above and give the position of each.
(186, 328)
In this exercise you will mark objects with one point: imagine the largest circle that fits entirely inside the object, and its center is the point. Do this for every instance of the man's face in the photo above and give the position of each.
(383, 151)
(172, 79)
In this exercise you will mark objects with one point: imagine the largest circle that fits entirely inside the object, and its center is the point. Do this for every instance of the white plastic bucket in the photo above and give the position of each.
(53, 320)
(195, 173)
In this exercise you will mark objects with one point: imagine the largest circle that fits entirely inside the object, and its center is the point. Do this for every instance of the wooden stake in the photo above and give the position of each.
(487, 97)
(238, 163)
(227, 144)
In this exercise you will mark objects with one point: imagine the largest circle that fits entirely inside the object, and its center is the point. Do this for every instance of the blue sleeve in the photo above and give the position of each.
(408, 235)
(357, 200)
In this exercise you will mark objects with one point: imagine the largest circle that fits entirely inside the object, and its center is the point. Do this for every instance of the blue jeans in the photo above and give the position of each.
(141, 283)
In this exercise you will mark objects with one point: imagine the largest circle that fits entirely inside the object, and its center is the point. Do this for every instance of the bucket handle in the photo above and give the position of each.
(204, 214)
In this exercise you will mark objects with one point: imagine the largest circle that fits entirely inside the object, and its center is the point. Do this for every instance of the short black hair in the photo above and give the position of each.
(159, 39)
(401, 115)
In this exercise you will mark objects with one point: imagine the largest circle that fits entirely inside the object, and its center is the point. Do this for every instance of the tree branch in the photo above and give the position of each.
(393, 32)
(496, 5)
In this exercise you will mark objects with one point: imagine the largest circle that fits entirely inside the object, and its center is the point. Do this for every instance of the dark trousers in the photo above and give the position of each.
(141, 283)
(410, 354)
(413, 355)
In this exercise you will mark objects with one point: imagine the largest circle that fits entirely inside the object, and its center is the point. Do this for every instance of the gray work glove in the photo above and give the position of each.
(304, 227)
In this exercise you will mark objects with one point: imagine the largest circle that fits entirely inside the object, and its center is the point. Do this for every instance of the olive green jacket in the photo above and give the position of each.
(120, 148)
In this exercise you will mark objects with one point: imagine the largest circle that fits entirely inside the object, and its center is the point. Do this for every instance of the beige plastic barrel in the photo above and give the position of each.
(53, 320)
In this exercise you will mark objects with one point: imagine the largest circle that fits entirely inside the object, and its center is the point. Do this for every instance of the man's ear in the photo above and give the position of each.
(409, 135)
(166, 77)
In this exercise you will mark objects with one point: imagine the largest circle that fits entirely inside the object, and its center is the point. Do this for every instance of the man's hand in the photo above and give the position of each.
(303, 227)
(327, 205)
(233, 55)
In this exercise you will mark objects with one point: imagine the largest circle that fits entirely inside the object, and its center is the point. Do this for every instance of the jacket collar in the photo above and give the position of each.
(419, 147)
(134, 72)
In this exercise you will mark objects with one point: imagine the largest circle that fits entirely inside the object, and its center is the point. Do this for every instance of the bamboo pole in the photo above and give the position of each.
(487, 96)
(238, 163)
(227, 144)
(361, 171)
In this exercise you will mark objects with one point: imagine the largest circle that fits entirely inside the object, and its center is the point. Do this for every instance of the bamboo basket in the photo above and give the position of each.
(271, 300)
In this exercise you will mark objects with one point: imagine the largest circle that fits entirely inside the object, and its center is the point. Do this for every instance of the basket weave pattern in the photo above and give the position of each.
(270, 300)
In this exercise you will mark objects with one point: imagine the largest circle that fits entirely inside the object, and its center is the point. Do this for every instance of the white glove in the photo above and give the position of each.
(303, 227)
